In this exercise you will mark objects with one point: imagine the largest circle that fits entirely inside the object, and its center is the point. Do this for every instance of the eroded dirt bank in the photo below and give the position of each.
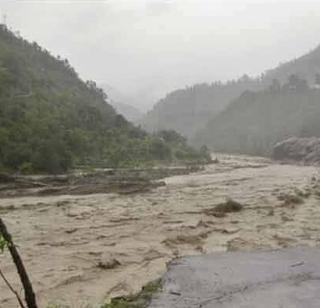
(85, 249)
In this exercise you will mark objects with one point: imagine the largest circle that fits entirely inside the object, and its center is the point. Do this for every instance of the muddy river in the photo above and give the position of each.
(82, 250)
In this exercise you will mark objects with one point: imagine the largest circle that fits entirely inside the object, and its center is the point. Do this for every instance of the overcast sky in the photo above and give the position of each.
(145, 48)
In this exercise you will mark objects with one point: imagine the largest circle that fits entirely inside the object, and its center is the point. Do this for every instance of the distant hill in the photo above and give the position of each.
(122, 103)
(140, 98)
(51, 120)
(129, 112)
(288, 106)
(188, 110)
(306, 67)
(255, 121)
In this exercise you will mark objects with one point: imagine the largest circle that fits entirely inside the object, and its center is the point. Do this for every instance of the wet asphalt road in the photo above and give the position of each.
(288, 278)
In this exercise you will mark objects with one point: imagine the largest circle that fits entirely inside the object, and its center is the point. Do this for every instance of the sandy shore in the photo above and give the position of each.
(82, 250)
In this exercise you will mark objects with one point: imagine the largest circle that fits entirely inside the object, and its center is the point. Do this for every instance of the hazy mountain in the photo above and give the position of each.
(129, 112)
(122, 103)
(305, 67)
(50, 120)
(289, 106)
(255, 121)
(114, 94)
(140, 99)
(188, 110)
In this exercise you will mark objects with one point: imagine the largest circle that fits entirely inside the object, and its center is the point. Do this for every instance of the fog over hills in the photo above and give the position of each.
(129, 112)
(51, 120)
(122, 103)
(305, 66)
(147, 48)
(188, 110)
(254, 122)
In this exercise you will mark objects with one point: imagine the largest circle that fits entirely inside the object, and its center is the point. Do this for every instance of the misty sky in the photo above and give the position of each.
(145, 48)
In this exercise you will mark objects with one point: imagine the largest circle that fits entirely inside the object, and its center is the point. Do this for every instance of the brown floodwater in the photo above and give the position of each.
(82, 250)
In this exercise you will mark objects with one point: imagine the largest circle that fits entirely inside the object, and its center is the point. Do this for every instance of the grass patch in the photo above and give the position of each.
(140, 300)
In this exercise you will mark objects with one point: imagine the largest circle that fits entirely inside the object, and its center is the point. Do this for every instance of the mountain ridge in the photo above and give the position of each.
(256, 121)
(51, 120)
(188, 110)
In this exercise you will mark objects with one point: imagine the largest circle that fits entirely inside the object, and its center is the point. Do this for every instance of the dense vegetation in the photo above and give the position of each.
(255, 121)
(50, 120)
(188, 110)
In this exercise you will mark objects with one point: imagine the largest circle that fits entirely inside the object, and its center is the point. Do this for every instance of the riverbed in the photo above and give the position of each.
(83, 250)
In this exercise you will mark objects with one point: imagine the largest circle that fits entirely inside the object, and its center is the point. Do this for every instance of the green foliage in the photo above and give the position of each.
(187, 110)
(51, 121)
(3, 244)
(140, 300)
(255, 121)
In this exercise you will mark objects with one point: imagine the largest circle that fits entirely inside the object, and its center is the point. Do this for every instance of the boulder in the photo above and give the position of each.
(306, 150)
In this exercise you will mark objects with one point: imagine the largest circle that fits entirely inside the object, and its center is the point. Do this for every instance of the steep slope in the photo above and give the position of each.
(50, 120)
(254, 122)
(188, 110)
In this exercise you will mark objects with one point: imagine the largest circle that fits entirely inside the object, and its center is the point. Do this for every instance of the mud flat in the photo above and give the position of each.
(121, 181)
(85, 249)
(265, 279)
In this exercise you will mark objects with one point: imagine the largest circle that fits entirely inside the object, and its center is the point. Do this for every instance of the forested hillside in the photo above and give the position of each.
(255, 121)
(188, 110)
(306, 67)
(50, 120)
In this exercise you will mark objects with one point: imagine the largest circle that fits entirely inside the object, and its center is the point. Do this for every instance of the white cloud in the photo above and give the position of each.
(153, 46)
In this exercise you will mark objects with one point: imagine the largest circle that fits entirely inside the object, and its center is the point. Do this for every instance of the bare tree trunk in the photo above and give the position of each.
(27, 286)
